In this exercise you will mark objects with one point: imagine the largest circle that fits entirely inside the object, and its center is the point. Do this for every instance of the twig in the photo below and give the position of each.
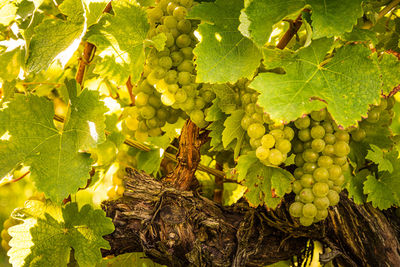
(130, 86)
(35, 83)
(219, 184)
(293, 28)
(388, 8)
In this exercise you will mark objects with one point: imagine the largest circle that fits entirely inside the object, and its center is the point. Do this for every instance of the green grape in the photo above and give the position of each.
(250, 108)
(183, 40)
(304, 135)
(298, 172)
(345, 167)
(186, 3)
(141, 99)
(333, 197)
(268, 141)
(339, 181)
(321, 202)
(180, 12)
(188, 105)
(337, 188)
(275, 157)
(177, 58)
(317, 145)
(298, 160)
(277, 134)
(340, 160)
(165, 62)
(155, 14)
(318, 115)
(180, 96)
(184, 26)
(296, 209)
(246, 99)
(297, 147)
(187, 52)
(317, 132)
(256, 130)
(171, 7)
(186, 65)
(306, 195)
(288, 132)
(257, 118)
(325, 161)
(283, 145)
(296, 187)
(328, 127)
(330, 139)
(373, 115)
(170, 22)
(309, 167)
(147, 112)
(320, 189)
(197, 116)
(342, 136)
(170, 40)
(310, 156)
(199, 103)
(358, 135)
(302, 123)
(321, 174)
(152, 123)
(132, 123)
(255, 142)
(184, 78)
(329, 150)
(306, 221)
(309, 210)
(321, 214)
(307, 180)
(262, 153)
(246, 122)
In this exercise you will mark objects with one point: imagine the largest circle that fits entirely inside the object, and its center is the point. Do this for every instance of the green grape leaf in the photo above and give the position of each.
(150, 161)
(233, 130)
(94, 10)
(223, 53)
(389, 67)
(48, 233)
(265, 184)
(10, 63)
(258, 17)
(54, 36)
(173, 130)
(214, 112)
(334, 17)
(384, 191)
(57, 166)
(377, 156)
(125, 34)
(158, 41)
(345, 83)
(361, 35)
(355, 186)
(216, 129)
(135, 259)
(8, 12)
(226, 97)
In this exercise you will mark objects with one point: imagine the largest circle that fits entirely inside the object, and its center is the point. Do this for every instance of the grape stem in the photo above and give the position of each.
(293, 28)
(388, 8)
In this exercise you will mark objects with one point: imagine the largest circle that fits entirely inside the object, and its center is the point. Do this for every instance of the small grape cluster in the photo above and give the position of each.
(5, 236)
(321, 151)
(271, 147)
(117, 188)
(377, 115)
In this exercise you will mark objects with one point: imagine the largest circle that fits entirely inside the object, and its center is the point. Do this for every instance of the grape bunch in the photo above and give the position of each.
(271, 142)
(378, 115)
(171, 71)
(321, 151)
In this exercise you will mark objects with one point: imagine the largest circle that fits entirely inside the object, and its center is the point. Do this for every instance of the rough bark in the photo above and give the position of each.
(182, 228)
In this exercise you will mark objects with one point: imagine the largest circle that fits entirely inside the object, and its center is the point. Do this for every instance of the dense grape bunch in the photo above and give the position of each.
(321, 151)
(168, 83)
(270, 141)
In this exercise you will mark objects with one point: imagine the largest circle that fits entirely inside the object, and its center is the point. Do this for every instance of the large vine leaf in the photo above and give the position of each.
(54, 36)
(345, 83)
(265, 185)
(49, 232)
(377, 156)
(334, 17)
(384, 191)
(123, 36)
(223, 54)
(57, 166)
(329, 18)
(389, 66)
(355, 186)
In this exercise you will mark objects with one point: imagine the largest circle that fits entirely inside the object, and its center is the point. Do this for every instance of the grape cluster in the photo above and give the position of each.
(321, 151)
(271, 142)
(377, 115)
(124, 160)
(171, 71)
